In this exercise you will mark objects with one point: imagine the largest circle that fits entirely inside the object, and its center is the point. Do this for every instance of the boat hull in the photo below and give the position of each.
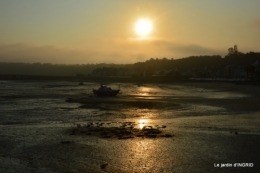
(102, 93)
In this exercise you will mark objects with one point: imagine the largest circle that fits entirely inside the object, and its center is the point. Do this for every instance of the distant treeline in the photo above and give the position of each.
(199, 62)
(47, 69)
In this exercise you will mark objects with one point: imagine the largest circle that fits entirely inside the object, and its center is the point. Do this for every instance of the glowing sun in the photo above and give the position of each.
(143, 27)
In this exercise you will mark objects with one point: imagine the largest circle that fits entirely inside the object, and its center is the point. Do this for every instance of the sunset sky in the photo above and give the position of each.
(96, 31)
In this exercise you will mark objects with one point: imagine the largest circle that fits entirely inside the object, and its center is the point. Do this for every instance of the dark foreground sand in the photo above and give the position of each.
(194, 130)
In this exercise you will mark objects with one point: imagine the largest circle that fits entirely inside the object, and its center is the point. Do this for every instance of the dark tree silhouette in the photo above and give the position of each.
(250, 71)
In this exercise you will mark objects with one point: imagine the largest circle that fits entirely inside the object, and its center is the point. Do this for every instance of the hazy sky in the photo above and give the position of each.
(94, 31)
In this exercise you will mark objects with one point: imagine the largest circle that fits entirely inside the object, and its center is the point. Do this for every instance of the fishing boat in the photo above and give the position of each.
(103, 90)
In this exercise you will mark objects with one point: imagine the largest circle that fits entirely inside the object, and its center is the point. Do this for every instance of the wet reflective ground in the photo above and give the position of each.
(62, 127)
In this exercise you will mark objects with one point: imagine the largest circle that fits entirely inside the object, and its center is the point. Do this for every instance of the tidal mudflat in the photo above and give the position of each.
(178, 127)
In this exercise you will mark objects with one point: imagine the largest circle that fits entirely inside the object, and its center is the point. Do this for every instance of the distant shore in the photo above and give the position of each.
(124, 79)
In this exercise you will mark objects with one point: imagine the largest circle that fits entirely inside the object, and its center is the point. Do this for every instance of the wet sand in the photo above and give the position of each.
(190, 127)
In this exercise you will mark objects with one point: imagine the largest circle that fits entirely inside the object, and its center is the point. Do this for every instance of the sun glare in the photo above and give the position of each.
(143, 27)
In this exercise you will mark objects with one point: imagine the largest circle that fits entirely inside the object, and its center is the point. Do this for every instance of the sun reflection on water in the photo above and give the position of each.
(144, 156)
(144, 91)
(142, 123)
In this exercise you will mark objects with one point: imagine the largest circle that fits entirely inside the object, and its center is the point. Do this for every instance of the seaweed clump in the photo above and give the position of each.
(121, 130)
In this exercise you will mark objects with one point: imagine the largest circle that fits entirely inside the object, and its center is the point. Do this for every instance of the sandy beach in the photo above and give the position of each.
(60, 127)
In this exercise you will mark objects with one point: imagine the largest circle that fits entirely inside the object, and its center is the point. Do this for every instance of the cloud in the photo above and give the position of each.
(160, 46)
(21, 52)
(118, 51)
(193, 49)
